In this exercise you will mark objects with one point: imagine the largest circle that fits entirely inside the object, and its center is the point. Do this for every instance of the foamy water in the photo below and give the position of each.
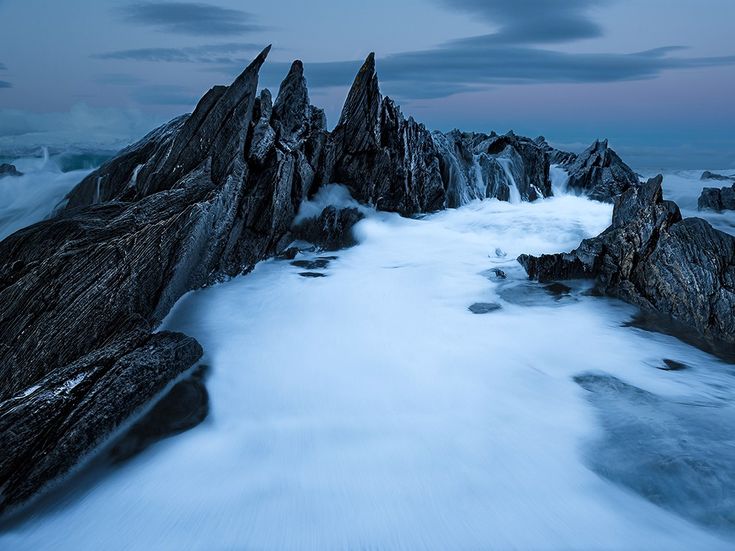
(27, 199)
(370, 409)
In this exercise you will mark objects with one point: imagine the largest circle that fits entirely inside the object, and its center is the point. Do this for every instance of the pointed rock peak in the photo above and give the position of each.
(292, 104)
(360, 118)
(253, 69)
(369, 65)
(296, 70)
(260, 59)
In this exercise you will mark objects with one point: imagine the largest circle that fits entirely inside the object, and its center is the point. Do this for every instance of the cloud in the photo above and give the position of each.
(191, 18)
(533, 21)
(207, 53)
(165, 94)
(82, 126)
(469, 65)
(118, 79)
(519, 51)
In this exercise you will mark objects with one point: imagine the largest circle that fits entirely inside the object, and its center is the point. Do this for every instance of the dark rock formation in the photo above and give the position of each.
(484, 307)
(49, 427)
(479, 166)
(200, 199)
(204, 197)
(717, 199)
(652, 258)
(556, 156)
(9, 170)
(600, 173)
(707, 175)
(331, 230)
(386, 160)
(181, 408)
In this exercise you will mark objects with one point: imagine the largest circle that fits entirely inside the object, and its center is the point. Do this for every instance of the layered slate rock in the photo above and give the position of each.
(650, 257)
(386, 160)
(480, 166)
(198, 200)
(48, 428)
(600, 173)
(717, 199)
(556, 156)
(202, 198)
(396, 164)
(7, 169)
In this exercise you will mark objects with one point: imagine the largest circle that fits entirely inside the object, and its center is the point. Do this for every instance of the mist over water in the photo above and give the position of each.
(371, 409)
(32, 197)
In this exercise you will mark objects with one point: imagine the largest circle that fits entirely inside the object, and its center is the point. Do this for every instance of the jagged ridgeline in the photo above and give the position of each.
(204, 197)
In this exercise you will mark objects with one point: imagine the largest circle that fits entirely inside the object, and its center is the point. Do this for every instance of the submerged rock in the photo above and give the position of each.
(652, 258)
(600, 173)
(316, 264)
(673, 365)
(707, 175)
(484, 307)
(666, 450)
(7, 169)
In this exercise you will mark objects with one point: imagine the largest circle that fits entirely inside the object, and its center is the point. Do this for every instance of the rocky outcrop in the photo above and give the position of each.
(49, 427)
(204, 197)
(480, 166)
(200, 199)
(331, 230)
(717, 199)
(386, 160)
(599, 173)
(707, 175)
(556, 156)
(652, 258)
(7, 169)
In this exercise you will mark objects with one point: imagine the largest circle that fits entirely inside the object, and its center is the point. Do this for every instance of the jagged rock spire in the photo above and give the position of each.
(360, 119)
(292, 103)
(601, 173)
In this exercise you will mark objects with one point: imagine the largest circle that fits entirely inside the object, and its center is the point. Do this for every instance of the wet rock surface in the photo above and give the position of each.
(181, 408)
(209, 194)
(484, 307)
(7, 169)
(667, 450)
(717, 199)
(652, 258)
(331, 230)
(202, 198)
(48, 428)
(600, 173)
(673, 365)
(315, 264)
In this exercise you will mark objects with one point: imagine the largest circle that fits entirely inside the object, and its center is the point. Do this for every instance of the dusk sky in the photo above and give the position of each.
(657, 77)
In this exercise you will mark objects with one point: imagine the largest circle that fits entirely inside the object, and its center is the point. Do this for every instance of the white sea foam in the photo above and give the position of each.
(27, 199)
(372, 409)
